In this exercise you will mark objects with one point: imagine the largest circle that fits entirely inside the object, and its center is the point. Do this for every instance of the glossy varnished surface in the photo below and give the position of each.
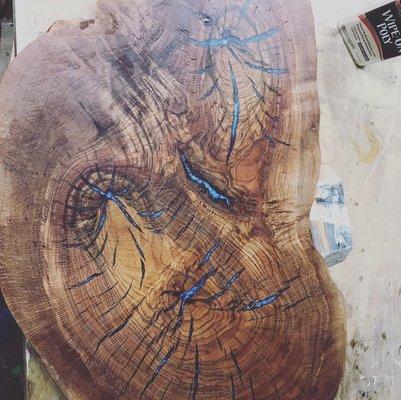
(160, 162)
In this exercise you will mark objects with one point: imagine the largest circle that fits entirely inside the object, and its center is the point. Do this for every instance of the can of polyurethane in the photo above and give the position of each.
(375, 35)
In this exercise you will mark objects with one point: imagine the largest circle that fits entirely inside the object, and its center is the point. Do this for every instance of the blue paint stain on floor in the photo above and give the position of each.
(331, 195)
(339, 236)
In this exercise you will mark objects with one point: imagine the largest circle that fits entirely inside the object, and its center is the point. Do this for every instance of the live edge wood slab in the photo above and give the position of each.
(158, 167)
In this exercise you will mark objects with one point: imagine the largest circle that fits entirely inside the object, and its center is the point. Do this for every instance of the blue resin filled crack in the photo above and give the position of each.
(228, 39)
(239, 48)
(213, 193)
(162, 363)
(110, 195)
(152, 214)
(236, 113)
(226, 287)
(208, 255)
(87, 280)
(268, 70)
(199, 285)
(257, 304)
(185, 297)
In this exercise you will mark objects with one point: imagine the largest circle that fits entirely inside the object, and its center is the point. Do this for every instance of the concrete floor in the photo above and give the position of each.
(361, 141)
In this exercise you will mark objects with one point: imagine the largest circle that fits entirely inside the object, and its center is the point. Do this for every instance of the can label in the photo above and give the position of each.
(375, 35)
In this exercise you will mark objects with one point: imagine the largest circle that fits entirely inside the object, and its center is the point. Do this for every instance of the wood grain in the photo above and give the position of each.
(159, 163)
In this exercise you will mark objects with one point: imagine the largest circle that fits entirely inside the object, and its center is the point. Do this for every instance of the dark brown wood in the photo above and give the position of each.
(158, 168)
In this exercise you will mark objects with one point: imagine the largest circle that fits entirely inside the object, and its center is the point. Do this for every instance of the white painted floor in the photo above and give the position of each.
(34, 17)
(361, 141)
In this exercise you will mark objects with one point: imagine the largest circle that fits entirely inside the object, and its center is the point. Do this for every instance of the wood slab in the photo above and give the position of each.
(159, 164)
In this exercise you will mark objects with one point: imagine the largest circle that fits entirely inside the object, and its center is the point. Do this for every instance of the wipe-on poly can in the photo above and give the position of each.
(375, 35)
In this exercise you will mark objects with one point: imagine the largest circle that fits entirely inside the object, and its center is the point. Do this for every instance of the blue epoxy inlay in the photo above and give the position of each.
(244, 9)
(95, 188)
(185, 297)
(233, 279)
(220, 42)
(226, 287)
(257, 304)
(152, 214)
(102, 221)
(213, 193)
(208, 255)
(205, 70)
(261, 36)
(236, 113)
(127, 215)
(233, 42)
(88, 279)
(164, 361)
(108, 195)
(228, 39)
(269, 70)
(190, 293)
(210, 91)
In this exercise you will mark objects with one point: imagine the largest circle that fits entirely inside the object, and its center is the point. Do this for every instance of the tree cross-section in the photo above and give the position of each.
(158, 167)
